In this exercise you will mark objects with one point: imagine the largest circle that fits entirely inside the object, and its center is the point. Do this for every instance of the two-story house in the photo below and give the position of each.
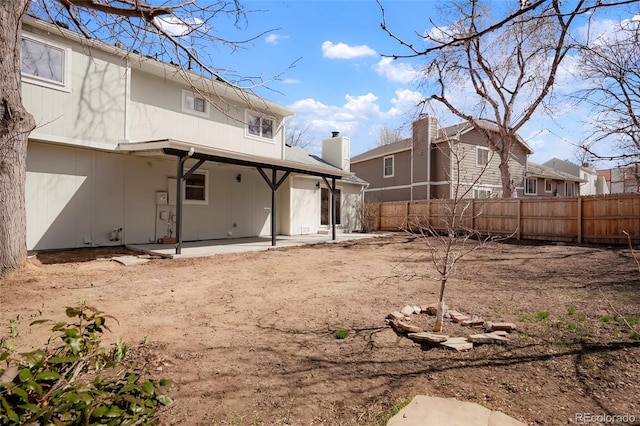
(435, 162)
(129, 149)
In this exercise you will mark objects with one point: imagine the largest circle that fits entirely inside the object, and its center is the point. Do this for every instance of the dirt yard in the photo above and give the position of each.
(250, 338)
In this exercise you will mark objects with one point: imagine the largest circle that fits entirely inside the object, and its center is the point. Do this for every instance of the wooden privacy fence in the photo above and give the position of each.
(593, 219)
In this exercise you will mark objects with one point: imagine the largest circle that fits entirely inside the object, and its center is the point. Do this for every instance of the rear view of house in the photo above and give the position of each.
(129, 149)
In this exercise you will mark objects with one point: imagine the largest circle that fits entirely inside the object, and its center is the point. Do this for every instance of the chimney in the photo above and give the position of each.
(336, 151)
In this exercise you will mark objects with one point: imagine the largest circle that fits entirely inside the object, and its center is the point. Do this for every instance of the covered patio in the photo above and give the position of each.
(242, 245)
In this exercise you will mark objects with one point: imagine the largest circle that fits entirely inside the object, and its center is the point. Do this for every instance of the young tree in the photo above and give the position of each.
(611, 63)
(172, 30)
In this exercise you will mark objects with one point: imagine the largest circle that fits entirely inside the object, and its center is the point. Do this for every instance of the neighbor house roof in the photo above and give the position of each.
(447, 133)
(541, 171)
(382, 150)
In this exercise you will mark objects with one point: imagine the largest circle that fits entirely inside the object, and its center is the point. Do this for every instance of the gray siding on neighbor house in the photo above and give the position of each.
(380, 195)
(372, 170)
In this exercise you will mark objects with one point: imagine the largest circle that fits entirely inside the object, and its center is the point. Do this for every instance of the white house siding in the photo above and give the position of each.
(92, 113)
(76, 197)
(351, 201)
(156, 113)
(304, 206)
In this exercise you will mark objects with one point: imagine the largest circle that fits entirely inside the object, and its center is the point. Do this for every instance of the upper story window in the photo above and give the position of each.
(482, 156)
(195, 104)
(530, 186)
(387, 166)
(46, 63)
(196, 188)
(259, 125)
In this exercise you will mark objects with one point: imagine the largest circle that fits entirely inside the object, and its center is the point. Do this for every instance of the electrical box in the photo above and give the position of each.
(162, 198)
(164, 215)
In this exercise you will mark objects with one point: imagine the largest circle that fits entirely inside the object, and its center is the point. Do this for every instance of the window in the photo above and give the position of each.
(259, 126)
(547, 185)
(387, 165)
(45, 63)
(195, 188)
(194, 104)
(569, 189)
(482, 156)
(530, 186)
(481, 193)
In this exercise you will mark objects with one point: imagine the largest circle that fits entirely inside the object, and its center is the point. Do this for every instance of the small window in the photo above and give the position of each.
(196, 188)
(482, 156)
(45, 63)
(481, 193)
(193, 103)
(259, 126)
(530, 186)
(547, 185)
(388, 166)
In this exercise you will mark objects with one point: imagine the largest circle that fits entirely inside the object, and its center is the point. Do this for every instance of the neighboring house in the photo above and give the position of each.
(544, 181)
(425, 165)
(128, 150)
(593, 183)
(622, 179)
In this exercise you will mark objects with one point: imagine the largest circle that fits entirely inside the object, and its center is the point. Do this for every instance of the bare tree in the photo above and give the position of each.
(506, 75)
(387, 135)
(174, 31)
(298, 135)
(611, 63)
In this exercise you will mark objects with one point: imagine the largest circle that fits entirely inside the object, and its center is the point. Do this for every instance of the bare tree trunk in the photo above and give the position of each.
(440, 311)
(15, 125)
(508, 189)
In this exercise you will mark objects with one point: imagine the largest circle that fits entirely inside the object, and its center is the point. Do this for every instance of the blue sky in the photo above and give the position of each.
(341, 82)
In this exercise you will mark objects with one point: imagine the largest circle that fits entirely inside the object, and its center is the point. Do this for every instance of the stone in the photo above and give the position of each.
(432, 410)
(428, 337)
(459, 318)
(493, 326)
(487, 338)
(417, 310)
(407, 310)
(474, 321)
(432, 309)
(396, 316)
(403, 327)
(458, 343)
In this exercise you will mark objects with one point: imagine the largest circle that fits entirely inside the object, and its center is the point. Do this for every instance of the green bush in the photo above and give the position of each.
(63, 385)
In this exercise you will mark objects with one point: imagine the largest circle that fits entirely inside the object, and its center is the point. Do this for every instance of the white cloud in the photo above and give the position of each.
(274, 38)
(400, 72)
(344, 51)
(404, 102)
(291, 81)
(441, 34)
(179, 27)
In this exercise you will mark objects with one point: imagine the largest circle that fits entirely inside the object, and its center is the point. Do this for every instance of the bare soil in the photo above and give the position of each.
(250, 338)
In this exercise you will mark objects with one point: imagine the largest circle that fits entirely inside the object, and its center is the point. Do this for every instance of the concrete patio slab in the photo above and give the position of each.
(436, 411)
(241, 245)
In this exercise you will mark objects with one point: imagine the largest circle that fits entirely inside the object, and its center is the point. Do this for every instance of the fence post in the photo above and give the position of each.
(473, 214)
(579, 220)
(519, 233)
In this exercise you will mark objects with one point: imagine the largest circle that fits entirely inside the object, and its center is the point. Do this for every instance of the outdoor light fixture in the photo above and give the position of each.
(239, 177)
(317, 185)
